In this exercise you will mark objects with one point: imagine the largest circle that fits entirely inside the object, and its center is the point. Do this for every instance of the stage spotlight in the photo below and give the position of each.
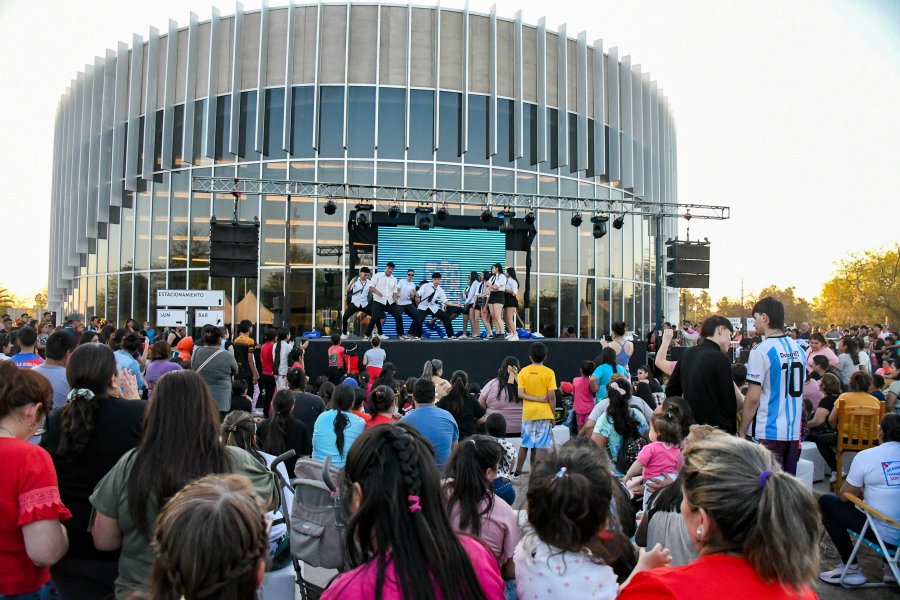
(394, 212)
(506, 220)
(486, 215)
(601, 226)
(442, 213)
(364, 215)
(330, 207)
(576, 220)
(619, 221)
(530, 218)
(424, 218)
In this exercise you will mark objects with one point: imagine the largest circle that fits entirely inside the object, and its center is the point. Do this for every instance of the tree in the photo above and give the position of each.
(865, 289)
(6, 298)
(695, 308)
(796, 309)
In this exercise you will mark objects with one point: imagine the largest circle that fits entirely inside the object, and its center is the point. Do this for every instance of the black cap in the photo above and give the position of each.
(390, 264)
(436, 275)
(365, 270)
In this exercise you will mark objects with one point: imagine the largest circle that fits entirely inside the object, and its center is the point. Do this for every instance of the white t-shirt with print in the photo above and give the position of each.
(877, 471)
(543, 571)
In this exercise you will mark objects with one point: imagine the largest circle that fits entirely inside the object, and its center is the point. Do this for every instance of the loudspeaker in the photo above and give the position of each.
(234, 249)
(687, 280)
(684, 265)
(688, 264)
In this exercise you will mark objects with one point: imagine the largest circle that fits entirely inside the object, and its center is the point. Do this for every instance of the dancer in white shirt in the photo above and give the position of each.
(385, 292)
(497, 287)
(359, 298)
(511, 303)
(431, 301)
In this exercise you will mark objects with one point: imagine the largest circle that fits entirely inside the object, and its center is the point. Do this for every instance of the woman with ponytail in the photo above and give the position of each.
(462, 405)
(400, 542)
(383, 405)
(433, 370)
(210, 542)
(756, 528)
(85, 438)
(280, 354)
(282, 431)
(337, 428)
(621, 421)
(473, 507)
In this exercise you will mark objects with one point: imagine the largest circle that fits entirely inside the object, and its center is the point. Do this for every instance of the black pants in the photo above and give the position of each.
(378, 315)
(825, 443)
(352, 309)
(76, 579)
(416, 328)
(266, 392)
(839, 516)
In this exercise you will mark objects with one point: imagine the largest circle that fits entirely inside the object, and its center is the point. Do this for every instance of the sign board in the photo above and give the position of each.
(751, 325)
(171, 317)
(735, 322)
(198, 298)
(209, 317)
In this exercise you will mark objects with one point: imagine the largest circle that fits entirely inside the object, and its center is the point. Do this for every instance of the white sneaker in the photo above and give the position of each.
(512, 338)
(343, 336)
(833, 478)
(855, 575)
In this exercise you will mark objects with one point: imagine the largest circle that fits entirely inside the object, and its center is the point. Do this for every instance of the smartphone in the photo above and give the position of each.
(608, 338)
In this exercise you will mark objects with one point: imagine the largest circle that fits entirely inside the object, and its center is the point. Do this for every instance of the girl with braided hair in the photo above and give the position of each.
(400, 542)
(210, 542)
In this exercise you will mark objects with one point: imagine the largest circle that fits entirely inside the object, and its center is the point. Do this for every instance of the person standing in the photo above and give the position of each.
(703, 377)
(60, 346)
(267, 373)
(243, 346)
(384, 300)
(511, 304)
(537, 389)
(216, 367)
(359, 298)
(623, 348)
(26, 358)
(496, 285)
(776, 370)
(406, 296)
(431, 301)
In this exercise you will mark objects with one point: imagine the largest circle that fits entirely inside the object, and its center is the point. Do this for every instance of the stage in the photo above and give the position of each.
(479, 358)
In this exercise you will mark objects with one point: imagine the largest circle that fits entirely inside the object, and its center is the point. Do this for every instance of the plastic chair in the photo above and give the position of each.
(872, 516)
(857, 429)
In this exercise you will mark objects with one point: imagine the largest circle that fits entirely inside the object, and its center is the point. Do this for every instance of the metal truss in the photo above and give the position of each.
(629, 205)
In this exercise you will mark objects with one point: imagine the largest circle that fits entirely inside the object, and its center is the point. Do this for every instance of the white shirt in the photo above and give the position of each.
(437, 295)
(386, 284)
(361, 293)
(512, 286)
(407, 291)
(286, 347)
(778, 366)
(546, 572)
(878, 471)
(498, 280)
(473, 291)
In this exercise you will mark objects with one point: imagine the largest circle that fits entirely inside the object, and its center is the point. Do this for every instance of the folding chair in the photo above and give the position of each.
(857, 430)
(872, 516)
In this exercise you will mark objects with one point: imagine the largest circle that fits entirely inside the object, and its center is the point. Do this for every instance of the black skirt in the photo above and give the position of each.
(497, 298)
(511, 301)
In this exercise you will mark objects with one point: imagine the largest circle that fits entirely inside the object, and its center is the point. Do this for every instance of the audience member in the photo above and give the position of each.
(59, 348)
(465, 409)
(434, 424)
(336, 429)
(537, 389)
(500, 395)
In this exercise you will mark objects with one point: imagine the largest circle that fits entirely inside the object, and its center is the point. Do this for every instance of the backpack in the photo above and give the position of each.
(628, 451)
(317, 523)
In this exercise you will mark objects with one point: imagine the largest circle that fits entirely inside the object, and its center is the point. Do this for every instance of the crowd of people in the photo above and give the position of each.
(138, 463)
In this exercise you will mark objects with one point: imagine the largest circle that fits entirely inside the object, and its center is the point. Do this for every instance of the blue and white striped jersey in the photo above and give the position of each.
(778, 366)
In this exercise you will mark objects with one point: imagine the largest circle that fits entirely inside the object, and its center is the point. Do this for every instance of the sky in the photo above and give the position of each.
(785, 111)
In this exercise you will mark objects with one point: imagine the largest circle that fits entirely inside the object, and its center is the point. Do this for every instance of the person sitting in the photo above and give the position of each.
(239, 398)
(873, 478)
(399, 539)
(337, 428)
(620, 422)
(307, 406)
(473, 506)
(501, 396)
(495, 426)
(565, 550)
(433, 370)
(859, 395)
(820, 430)
(180, 443)
(382, 406)
(756, 528)
(282, 431)
(436, 424)
(210, 542)
(462, 405)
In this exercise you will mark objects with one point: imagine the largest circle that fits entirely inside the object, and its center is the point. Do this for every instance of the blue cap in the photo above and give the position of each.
(351, 382)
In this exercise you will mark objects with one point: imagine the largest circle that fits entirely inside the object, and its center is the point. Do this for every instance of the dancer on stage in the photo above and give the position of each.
(497, 287)
(359, 298)
(431, 301)
(407, 296)
(469, 311)
(511, 304)
(384, 299)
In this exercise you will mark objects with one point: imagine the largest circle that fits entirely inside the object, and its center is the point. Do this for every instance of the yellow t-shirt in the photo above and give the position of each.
(536, 380)
(854, 399)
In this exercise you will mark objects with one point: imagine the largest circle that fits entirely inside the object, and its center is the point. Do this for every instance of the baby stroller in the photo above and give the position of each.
(279, 580)
(316, 525)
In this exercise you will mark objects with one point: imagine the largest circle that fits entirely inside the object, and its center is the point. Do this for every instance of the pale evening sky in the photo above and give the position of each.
(785, 111)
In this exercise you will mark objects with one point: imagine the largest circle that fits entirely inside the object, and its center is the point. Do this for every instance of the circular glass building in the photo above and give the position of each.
(395, 96)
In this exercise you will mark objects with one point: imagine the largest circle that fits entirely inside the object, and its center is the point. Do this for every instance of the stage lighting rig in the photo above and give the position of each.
(486, 215)
(364, 215)
(442, 213)
(619, 222)
(330, 207)
(576, 220)
(601, 226)
(394, 212)
(424, 218)
(506, 220)
(530, 217)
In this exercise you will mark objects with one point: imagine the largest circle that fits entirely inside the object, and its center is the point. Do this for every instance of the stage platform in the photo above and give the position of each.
(479, 358)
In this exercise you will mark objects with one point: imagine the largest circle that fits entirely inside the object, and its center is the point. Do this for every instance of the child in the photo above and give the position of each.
(584, 397)
(564, 552)
(374, 358)
(495, 425)
(337, 360)
(239, 398)
(662, 456)
(537, 389)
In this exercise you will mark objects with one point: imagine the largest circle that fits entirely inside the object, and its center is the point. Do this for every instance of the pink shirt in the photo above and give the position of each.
(659, 458)
(499, 528)
(359, 583)
(584, 397)
(823, 351)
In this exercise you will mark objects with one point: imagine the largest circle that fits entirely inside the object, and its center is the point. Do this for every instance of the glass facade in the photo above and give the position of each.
(391, 135)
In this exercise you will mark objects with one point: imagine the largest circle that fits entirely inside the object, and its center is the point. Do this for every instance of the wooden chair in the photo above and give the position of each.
(857, 430)
(872, 517)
